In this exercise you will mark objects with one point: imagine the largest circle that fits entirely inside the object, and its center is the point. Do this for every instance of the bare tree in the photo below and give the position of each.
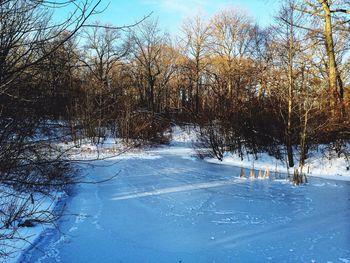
(105, 49)
(334, 16)
(196, 36)
(290, 42)
(231, 35)
(150, 49)
(29, 160)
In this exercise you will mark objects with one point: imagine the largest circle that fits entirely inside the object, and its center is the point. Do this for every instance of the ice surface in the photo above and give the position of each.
(165, 206)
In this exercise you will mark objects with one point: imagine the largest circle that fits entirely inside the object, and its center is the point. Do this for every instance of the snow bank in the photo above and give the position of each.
(327, 164)
(318, 164)
(322, 163)
(263, 162)
(24, 237)
(183, 135)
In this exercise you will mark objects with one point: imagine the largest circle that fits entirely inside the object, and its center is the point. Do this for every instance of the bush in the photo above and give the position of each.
(211, 141)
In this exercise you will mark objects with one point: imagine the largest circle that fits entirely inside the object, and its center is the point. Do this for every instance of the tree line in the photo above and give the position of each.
(254, 88)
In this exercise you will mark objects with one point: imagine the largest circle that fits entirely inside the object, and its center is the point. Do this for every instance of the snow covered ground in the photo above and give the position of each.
(166, 206)
(43, 208)
(322, 163)
(318, 165)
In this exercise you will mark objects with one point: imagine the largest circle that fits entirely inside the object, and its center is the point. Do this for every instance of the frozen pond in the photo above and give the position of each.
(166, 208)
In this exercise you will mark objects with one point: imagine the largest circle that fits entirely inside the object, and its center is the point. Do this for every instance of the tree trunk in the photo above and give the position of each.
(303, 137)
(289, 141)
(333, 73)
(198, 83)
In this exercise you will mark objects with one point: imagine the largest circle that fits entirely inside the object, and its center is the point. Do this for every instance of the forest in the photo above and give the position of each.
(248, 89)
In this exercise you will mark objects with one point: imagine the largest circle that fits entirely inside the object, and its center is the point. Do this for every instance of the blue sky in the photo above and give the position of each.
(171, 13)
